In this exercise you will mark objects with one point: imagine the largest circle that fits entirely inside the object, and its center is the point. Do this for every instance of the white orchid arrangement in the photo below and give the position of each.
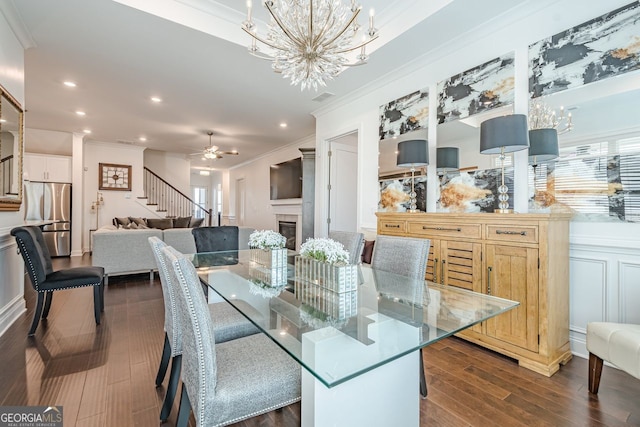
(267, 239)
(325, 250)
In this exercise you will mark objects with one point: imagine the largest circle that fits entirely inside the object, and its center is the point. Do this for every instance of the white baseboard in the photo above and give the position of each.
(11, 312)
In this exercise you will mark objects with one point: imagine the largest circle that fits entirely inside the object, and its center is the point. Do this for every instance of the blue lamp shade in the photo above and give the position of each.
(447, 159)
(412, 153)
(508, 132)
(543, 145)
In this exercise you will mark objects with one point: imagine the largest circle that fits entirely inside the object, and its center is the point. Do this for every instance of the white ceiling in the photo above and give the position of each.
(120, 56)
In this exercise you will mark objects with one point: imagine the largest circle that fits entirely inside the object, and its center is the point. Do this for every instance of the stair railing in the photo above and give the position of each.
(170, 200)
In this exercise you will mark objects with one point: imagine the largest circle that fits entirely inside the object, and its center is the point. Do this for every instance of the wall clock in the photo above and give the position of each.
(114, 177)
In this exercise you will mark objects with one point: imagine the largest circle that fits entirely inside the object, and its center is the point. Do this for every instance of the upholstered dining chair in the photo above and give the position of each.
(616, 343)
(212, 239)
(408, 257)
(353, 242)
(45, 280)
(228, 324)
(228, 382)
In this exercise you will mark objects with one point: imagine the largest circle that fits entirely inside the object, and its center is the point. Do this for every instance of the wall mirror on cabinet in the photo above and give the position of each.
(11, 139)
(472, 187)
(395, 181)
(597, 173)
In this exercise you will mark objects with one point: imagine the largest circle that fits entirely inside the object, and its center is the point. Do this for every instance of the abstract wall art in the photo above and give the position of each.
(405, 114)
(487, 86)
(603, 47)
(394, 194)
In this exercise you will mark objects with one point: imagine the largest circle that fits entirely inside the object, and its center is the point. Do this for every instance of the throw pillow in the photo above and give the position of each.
(121, 222)
(161, 223)
(196, 222)
(367, 252)
(138, 221)
(181, 222)
(131, 226)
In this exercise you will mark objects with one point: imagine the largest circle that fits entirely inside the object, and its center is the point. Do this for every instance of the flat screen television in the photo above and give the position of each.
(286, 180)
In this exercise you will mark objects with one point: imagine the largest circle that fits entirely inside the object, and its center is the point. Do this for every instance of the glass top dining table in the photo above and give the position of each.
(339, 336)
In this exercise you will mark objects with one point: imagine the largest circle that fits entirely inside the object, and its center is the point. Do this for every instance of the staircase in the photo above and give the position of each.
(170, 201)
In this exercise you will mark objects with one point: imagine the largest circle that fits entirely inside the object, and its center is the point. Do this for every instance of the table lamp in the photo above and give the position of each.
(412, 154)
(502, 135)
(543, 146)
(447, 159)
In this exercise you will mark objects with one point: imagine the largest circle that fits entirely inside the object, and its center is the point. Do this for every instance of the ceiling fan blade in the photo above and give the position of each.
(234, 153)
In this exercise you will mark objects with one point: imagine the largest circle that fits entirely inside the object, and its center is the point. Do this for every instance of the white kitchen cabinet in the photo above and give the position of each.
(47, 168)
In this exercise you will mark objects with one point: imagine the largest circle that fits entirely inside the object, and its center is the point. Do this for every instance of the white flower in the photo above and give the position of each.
(325, 250)
(267, 239)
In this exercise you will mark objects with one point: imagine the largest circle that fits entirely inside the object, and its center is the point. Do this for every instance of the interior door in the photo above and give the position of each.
(343, 184)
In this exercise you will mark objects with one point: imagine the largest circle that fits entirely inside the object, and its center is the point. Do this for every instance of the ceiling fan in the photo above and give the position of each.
(212, 152)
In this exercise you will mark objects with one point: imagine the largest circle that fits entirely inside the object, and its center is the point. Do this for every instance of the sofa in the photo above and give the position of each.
(127, 251)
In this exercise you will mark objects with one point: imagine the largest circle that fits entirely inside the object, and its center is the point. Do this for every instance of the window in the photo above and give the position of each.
(199, 195)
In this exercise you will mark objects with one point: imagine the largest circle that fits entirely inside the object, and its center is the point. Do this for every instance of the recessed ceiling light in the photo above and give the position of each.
(283, 125)
(86, 131)
(142, 138)
(156, 99)
(69, 84)
(81, 113)
(204, 173)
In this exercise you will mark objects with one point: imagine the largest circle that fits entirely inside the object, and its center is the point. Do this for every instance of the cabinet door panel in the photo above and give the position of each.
(512, 273)
(462, 265)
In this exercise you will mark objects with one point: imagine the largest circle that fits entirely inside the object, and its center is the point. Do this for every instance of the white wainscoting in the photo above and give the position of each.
(605, 277)
(12, 303)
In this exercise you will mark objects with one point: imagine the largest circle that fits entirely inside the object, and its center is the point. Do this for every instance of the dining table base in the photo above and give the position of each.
(388, 395)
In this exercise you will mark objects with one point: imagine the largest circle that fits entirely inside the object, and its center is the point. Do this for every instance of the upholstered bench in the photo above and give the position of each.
(616, 343)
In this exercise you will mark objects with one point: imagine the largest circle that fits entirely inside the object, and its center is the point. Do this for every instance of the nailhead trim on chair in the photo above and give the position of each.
(35, 278)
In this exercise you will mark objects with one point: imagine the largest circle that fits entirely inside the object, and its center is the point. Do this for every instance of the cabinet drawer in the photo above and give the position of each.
(513, 233)
(445, 230)
(392, 227)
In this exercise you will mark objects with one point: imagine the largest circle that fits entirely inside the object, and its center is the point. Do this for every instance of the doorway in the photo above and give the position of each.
(343, 183)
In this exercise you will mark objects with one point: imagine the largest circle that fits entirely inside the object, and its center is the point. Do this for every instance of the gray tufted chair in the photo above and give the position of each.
(228, 382)
(228, 323)
(408, 257)
(353, 242)
(45, 280)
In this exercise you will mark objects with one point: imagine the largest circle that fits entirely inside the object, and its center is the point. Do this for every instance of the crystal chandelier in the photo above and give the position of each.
(541, 116)
(309, 39)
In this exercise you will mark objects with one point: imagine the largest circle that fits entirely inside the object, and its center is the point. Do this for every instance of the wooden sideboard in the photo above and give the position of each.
(522, 257)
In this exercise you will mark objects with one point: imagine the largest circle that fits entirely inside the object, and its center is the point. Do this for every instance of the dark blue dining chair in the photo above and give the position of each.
(45, 280)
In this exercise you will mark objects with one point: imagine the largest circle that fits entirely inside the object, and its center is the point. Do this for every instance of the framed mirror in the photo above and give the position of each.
(11, 140)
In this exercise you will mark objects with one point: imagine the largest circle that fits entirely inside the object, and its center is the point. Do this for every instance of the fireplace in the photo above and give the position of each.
(288, 230)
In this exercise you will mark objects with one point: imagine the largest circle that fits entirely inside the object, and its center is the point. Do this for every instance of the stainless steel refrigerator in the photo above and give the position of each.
(51, 201)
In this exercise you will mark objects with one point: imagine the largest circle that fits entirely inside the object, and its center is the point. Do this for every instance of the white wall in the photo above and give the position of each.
(48, 142)
(613, 278)
(172, 167)
(12, 303)
(116, 203)
(259, 210)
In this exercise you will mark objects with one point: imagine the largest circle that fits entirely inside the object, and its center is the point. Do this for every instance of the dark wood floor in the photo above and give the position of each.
(104, 376)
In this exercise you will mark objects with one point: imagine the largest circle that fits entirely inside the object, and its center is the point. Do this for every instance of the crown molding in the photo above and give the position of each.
(11, 14)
